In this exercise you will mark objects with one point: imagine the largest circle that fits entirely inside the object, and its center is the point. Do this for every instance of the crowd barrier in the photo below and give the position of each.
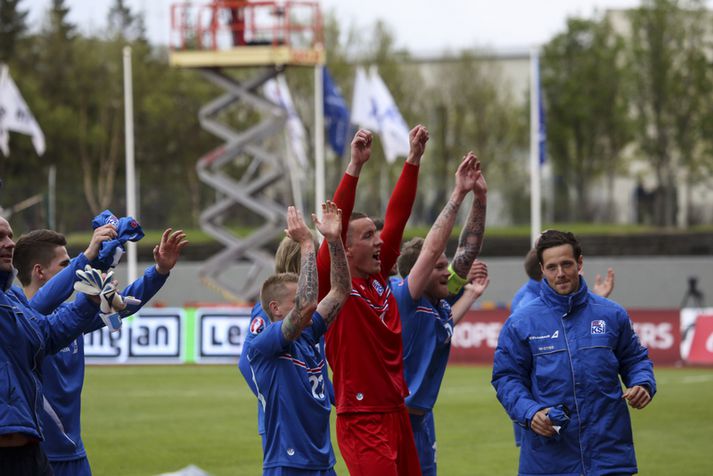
(214, 335)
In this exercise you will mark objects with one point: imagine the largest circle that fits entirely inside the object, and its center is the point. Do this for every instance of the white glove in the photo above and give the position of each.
(91, 281)
(107, 313)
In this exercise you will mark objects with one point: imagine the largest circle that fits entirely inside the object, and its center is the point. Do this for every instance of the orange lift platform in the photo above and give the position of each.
(264, 38)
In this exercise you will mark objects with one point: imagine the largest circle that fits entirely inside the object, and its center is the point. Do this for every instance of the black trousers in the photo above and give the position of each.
(28, 460)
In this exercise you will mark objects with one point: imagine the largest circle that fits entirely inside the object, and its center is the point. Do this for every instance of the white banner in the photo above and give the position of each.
(154, 335)
(16, 116)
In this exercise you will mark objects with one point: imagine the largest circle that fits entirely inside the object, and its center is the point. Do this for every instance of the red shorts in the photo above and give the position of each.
(378, 444)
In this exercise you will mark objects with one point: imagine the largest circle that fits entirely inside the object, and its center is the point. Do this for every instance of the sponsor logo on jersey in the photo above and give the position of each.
(257, 325)
(555, 335)
(599, 327)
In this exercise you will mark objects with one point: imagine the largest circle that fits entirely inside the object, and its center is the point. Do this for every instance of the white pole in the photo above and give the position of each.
(535, 183)
(319, 138)
(130, 170)
(51, 199)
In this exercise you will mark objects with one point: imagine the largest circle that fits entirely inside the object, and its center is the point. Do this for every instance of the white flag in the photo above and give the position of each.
(364, 112)
(374, 108)
(392, 127)
(276, 90)
(16, 116)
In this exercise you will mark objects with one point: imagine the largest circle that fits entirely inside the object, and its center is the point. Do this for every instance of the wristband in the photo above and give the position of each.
(455, 282)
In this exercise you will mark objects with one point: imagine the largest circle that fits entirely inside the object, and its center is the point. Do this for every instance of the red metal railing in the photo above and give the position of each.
(226, 24)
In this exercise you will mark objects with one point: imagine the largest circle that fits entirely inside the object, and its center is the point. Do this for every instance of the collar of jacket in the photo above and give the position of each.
(6, 279)
(564, 304)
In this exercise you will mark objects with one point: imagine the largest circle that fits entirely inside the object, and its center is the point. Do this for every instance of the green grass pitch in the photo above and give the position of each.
(142, 421)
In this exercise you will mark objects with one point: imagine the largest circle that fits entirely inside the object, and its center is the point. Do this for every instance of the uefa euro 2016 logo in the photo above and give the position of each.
(599, 327)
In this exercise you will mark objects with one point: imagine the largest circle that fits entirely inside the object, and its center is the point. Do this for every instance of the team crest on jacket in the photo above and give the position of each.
(379, 288)
(599, 327)
(257, 325)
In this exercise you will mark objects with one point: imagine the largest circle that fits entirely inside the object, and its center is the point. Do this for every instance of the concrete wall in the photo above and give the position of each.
(641, 282)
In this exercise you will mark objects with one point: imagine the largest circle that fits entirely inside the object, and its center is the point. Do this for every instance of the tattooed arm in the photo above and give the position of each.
(435, 242)
(478, 280)
(330, 227)
(471, 237)
(306, 297)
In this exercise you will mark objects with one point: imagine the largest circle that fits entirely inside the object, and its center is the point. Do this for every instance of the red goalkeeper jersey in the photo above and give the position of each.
(364, 346)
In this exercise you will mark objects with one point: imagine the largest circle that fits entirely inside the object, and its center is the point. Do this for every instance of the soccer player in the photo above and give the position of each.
(26, 337)
(364, 346)
(425, 302)
(47, 276)
(285, 359)
(557, 371)
(287, 260)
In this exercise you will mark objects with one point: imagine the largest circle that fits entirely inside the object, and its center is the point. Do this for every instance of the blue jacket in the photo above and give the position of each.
(528, 292)
(25, 338)
(571, 350)
(63, 373)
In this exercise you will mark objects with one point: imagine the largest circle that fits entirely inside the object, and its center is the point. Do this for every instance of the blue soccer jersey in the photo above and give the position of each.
(258, 318)
(427, 330)
(291, 388)
(63, 373)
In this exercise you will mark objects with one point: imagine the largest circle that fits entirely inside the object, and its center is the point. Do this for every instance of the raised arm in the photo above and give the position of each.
(61, 286)
(471, 237)
(166, 254)
(306, 298)
(478, 281)
(344, 197)
(330, 227)
(435, 243)
(400, 204)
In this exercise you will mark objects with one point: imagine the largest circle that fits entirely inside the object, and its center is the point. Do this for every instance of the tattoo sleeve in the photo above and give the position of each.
(341, 283)
(471, 238)
(306, 298)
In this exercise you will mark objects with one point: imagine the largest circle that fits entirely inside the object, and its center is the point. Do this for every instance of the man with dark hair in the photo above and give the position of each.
(364, 346)
(285, 360)
(557, 368)
(531, 290)
(47, 276)
(424, 302)
(26, 338)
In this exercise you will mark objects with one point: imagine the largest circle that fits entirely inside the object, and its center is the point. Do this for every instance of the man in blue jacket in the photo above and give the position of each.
(557, 367)
(26, 337)
(47, 276)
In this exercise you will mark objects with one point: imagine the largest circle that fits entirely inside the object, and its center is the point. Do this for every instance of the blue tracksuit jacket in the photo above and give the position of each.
(26, 337)
(572, 350)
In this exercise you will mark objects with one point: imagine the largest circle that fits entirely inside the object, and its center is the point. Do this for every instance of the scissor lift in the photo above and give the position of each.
(265, 37)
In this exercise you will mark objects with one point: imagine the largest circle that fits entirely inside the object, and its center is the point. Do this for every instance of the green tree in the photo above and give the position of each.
(12, 26)
(583, 78)
(671, 89)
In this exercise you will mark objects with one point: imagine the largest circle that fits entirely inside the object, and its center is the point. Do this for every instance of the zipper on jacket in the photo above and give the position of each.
(574, 389)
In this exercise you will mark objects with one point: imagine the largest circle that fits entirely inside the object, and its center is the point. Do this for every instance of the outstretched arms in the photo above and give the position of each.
(306, 297)
(435, 242)
(330, 227)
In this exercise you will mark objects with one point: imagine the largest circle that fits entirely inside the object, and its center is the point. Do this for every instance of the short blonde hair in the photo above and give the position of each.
(275, 289)
(288, 257)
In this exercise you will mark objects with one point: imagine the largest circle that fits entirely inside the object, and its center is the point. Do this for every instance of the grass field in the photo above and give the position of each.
(141, 421)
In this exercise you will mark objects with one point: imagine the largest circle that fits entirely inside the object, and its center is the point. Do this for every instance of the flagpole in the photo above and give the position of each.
(319, 138)
(535, 181)
(131, 254)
